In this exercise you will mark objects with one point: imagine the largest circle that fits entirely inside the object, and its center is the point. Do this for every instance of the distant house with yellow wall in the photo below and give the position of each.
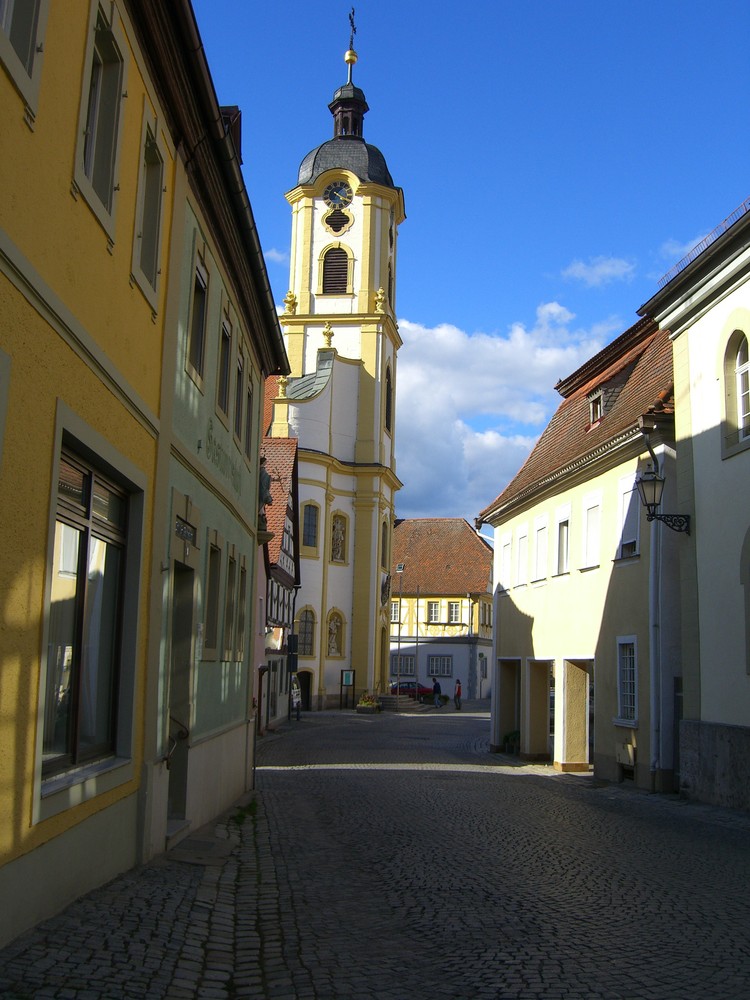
(106, 205)
(586, 662)
(441, 605)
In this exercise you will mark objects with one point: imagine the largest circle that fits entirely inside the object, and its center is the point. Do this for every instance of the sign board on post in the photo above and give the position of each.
(347, 685)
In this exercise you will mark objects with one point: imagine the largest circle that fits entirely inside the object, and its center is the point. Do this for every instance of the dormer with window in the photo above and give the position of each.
(596, 407)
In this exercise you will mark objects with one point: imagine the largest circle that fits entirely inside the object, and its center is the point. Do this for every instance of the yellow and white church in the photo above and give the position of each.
(342, 340)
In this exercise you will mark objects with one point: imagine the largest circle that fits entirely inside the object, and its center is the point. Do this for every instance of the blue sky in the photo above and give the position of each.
(556, 159)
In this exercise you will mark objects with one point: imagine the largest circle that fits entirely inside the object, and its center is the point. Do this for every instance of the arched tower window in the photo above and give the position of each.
(306, 633)
(310, 525)
(742, 377)
(384, 547)
(736, 416)
(335, 271)
(388, 399)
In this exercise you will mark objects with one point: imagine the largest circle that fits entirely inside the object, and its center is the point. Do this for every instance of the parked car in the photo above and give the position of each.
(410, 687)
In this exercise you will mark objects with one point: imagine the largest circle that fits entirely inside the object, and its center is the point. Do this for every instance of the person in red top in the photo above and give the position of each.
(457, 695)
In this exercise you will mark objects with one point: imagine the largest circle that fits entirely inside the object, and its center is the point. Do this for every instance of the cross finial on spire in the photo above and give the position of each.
(351, 56)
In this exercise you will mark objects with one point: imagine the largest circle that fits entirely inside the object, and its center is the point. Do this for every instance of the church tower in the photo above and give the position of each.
(339, 401)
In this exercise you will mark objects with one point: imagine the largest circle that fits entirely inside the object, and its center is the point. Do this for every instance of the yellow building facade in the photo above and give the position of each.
(81, 343)
(97, 231)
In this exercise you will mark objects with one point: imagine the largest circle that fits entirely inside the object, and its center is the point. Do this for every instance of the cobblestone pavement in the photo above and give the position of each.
(392, 857)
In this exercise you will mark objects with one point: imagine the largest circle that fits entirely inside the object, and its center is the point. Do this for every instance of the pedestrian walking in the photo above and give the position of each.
(457, 695)
(436, 692)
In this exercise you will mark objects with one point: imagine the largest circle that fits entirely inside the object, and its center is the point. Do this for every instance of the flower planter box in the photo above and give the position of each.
(368, 709)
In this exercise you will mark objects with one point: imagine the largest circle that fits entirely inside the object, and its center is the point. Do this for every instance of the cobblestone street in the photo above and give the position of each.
(392, 857)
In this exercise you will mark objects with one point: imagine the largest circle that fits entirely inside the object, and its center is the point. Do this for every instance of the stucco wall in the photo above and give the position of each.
(715, 763)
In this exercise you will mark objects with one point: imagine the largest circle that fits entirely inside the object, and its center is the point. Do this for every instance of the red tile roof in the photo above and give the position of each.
(636, 371)
(442, 556)
(280, 454)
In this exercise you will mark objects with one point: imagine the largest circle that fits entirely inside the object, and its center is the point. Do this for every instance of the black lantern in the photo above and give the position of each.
(650, 488)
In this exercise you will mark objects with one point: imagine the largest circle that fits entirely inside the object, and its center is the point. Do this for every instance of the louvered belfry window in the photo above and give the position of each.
(337, 220)
(335, 271)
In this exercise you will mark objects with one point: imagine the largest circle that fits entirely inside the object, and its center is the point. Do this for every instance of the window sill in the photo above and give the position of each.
(736, 447)
(587, 569)
(73, 788)
(625, 723)
(634, 558)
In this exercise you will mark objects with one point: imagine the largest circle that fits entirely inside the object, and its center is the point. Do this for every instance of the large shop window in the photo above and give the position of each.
(85, 629)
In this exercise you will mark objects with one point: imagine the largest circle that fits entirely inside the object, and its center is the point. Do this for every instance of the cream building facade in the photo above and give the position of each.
(586, 669)
(441, 606)
(705, 305)
(342, 340)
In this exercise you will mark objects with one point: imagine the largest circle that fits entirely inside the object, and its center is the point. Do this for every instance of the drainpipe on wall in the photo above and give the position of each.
(654, 637)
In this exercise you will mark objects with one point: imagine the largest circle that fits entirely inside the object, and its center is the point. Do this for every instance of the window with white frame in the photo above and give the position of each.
(239, 394)
(101, 118)
(627, 679)
(506, 549)
(212, 591)
(394, 611)
(196, 348)
(736, 386)
(19, 24)
(596, 407)
(590, 556)
(249, 417)
(242, 609)
(433, 612)
(454, 612)
(147, 241)
(229, 607)
(522, 557)
(540, 548)
(742, 378)
(225, 360)
(562, 540)
(440, 666)
(407, 665)
(630, 518)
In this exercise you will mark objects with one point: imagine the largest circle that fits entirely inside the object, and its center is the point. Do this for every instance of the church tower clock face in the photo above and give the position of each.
(338, 194)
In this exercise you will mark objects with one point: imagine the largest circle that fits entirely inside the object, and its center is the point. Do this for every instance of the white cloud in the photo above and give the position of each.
(600, 271)
(277, 256)
(469, 407)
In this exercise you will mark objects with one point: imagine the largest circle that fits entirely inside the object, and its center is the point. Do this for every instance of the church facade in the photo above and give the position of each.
(342, 340)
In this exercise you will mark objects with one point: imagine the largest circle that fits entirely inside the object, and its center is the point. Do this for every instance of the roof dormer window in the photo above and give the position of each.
(596, 408)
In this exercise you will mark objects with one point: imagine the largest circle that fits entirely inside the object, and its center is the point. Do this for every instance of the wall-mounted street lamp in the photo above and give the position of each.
(650, 487)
